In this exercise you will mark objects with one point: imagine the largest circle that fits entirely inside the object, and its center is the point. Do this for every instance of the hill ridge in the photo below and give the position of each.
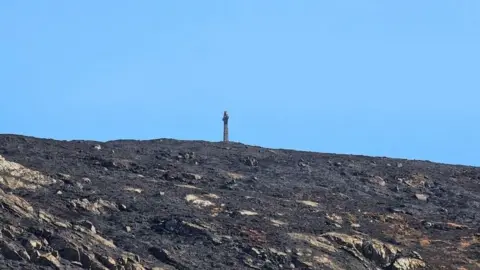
(179, 204)
(234, 143)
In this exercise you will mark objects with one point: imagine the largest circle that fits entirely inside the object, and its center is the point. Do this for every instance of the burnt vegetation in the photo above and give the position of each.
(170, 204)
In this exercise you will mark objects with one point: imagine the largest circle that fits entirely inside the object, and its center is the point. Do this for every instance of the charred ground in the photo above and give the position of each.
(199, 205)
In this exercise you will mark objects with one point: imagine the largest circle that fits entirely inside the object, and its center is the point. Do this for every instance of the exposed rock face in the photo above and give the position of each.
(15, 176)
(50, 260)
(407, 264)
(166, 204)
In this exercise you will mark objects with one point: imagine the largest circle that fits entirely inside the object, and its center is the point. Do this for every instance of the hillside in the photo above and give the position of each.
(168, 204)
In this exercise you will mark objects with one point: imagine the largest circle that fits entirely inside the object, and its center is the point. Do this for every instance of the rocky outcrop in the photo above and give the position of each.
(382, 254)
(408, 264)
(98, 207)
(49, 260)
(15, 176)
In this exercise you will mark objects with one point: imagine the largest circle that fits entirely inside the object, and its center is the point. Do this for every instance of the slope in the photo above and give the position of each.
(169, 204)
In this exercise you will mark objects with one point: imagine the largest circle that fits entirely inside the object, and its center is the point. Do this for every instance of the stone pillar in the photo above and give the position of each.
(225, 126)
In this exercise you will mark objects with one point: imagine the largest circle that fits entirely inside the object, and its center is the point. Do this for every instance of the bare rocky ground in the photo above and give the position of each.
(168, 204)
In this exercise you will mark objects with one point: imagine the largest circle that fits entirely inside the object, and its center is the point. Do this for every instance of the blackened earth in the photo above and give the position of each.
(170, 204)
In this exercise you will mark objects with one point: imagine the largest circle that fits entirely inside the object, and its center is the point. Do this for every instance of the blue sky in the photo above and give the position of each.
(382, 78)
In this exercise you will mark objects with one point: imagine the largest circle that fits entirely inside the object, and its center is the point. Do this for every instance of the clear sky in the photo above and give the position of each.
(383, 78)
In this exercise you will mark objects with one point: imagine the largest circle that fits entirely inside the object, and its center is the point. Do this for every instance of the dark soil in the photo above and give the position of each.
(430, 211)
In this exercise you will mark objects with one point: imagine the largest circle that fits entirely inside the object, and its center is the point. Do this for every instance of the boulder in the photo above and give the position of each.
(10, 251)
(48, 260)
(408, 264)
